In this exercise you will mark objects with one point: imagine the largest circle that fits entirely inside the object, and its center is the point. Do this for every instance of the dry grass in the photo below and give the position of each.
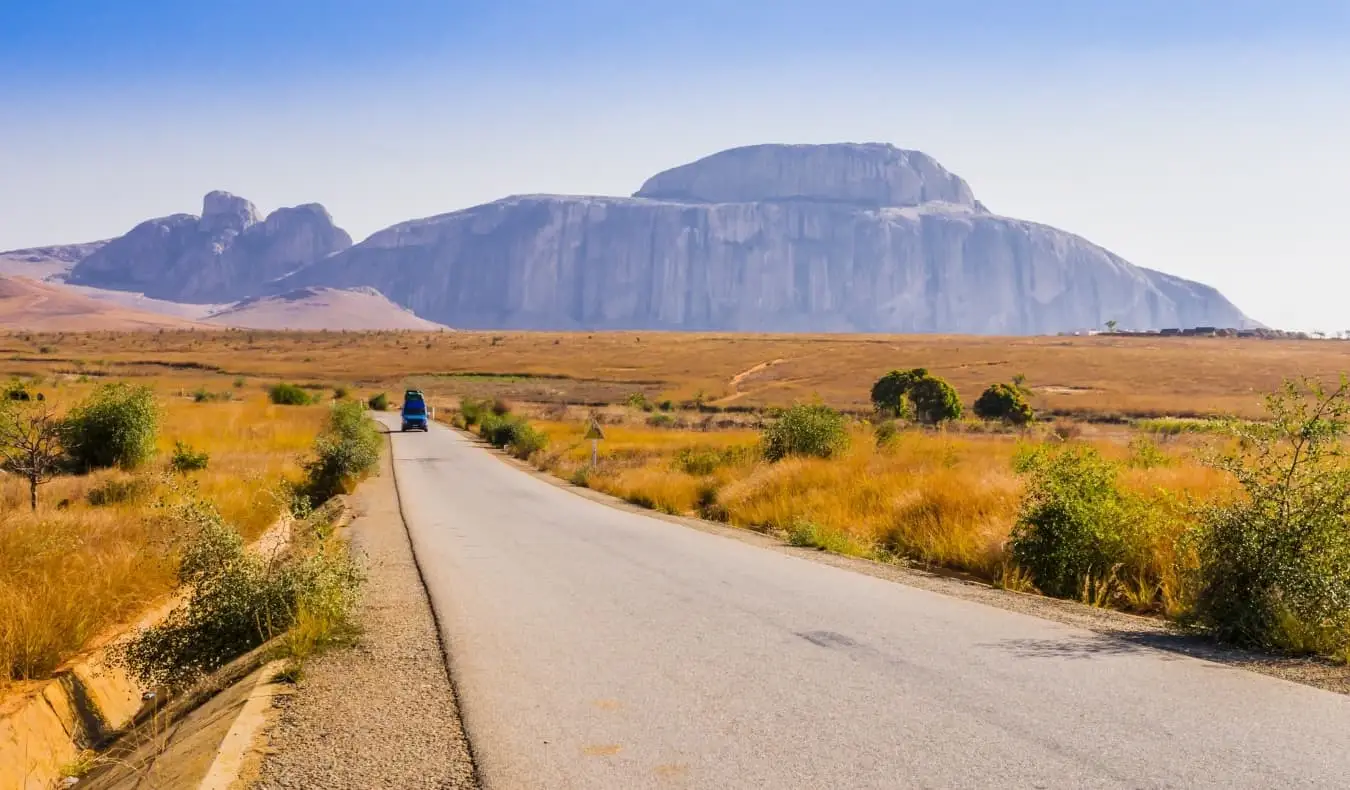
(72, 570)
(1087, 376)
(943, 499)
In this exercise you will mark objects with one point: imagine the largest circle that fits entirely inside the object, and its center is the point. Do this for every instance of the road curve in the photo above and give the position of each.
(596, 648)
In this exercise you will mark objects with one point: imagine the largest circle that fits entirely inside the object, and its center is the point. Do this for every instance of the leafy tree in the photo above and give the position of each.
(1111, 325)
(1004, 402)
(890, 392)
(30, 444)
(934, 400)
(916, 394)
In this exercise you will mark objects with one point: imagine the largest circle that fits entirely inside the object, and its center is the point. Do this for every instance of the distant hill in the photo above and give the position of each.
(44, 307)
(321, 308)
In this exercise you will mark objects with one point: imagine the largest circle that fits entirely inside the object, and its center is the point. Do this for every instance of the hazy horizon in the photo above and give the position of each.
(1206, 140)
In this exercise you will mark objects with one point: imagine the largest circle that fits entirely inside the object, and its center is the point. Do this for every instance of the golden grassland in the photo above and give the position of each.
(942, 498)
(1083, 376)
(74, 569)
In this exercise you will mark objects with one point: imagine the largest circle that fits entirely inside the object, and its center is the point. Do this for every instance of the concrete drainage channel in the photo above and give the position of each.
(71, 731)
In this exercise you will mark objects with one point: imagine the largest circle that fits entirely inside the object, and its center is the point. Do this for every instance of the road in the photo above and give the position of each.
(597, 648)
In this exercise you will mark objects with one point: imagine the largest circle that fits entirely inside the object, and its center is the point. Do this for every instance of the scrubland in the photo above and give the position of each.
(98, 549)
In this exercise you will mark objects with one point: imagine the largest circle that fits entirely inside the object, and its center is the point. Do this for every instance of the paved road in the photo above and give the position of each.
(595, 648)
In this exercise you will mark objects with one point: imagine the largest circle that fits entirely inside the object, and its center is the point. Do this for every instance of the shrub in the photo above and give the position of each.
(117, 491)
(116, 426)
(1074, 520)
(284, 394)
(639, 401)
(378, 402)
(513, 434)
(661, 420)
(186, 459)
(472, 411)
(812, 430)
(204, 395)
(1274, 567)
(236, 602)
(341, 393)
(346, 450)
(500, 407)
(666, 405)
(886, 433)
(701, 460)
(1144, 454)
(1004, 402)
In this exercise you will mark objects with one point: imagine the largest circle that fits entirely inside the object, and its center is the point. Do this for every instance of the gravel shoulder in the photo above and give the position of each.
(382, 713)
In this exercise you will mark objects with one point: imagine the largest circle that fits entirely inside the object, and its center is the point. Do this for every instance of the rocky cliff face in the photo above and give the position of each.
(227, 253)
(830, 238)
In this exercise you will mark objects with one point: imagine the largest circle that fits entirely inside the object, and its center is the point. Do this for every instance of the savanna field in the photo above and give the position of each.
(1118, 494)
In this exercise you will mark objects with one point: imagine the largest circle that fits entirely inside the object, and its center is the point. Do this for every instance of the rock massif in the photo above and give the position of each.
(227, 253)
(819, 238)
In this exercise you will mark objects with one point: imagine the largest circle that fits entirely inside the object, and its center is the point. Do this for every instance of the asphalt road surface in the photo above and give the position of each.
(596, 648)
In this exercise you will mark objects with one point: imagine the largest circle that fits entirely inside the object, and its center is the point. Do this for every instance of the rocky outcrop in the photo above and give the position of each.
(227, 253)
(837, 238)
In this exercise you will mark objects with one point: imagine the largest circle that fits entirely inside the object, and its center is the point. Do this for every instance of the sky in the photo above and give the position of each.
(1206, 138)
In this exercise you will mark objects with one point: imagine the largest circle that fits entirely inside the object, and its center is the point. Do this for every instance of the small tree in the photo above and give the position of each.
(1111, 325)
(1275, 563)
(1004, 402)
(915, 394)
(30, 444)
(935, 401)
(889, 394)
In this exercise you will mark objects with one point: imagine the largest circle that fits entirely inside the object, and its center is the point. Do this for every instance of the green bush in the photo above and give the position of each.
(341, 393)
(1074, 523)
(346, 450)
(236, 600)
(514, 434)
(501, 407)
(186, 459)
(1274, 567)
(284, 394)
(886, 433)
(1004, 402)
(116, 426)
(702, 460)
(378, 402)
(203, 395)
(661, 420)
(811, 430)
(473, 411)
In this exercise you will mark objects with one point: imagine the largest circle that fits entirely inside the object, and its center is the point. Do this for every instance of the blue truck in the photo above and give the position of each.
(414, 411)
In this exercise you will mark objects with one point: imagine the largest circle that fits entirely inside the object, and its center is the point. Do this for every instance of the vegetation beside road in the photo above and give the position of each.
(111, 524)
(1244, 533)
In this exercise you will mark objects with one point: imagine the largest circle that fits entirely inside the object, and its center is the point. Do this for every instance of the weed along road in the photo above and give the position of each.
(597, 648)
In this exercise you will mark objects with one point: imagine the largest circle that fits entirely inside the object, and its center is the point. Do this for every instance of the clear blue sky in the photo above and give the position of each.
(1207, 139)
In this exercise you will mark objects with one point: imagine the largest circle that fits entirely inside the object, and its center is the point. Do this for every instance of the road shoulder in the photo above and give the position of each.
(384, 712)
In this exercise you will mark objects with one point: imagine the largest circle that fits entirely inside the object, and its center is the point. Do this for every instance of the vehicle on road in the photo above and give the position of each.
(414, 411)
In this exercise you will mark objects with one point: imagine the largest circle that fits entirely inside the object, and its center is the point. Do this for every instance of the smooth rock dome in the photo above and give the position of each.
(867, 174)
